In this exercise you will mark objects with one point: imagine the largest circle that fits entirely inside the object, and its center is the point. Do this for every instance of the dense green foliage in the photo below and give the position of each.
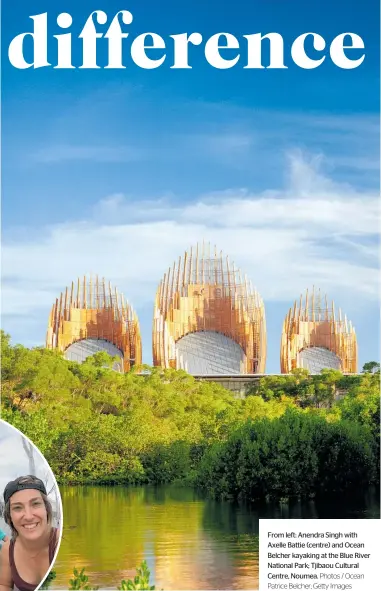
(308, 391)
(296, 455)
(287, 437)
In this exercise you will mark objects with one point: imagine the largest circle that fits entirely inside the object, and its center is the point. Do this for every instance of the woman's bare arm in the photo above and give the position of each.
(6, 583)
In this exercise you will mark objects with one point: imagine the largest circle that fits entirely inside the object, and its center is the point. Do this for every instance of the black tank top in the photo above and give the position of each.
(18, 582)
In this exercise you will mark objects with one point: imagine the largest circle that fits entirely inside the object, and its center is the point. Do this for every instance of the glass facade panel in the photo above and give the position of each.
(317, 358)
(79, 350)
(209, 353)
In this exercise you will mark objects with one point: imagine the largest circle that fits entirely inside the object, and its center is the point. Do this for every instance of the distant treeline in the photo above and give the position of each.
(287, 438)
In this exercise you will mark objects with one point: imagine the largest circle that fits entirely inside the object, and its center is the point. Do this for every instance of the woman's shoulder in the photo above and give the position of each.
(4, 554)
(5, 567)
(5, 548)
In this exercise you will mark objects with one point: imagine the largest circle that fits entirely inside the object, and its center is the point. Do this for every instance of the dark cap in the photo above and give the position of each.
(23, 483)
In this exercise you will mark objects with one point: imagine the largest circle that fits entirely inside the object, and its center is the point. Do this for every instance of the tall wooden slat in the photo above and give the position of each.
(322, 330)
(84, 293)
(104, 312)
(237, 313)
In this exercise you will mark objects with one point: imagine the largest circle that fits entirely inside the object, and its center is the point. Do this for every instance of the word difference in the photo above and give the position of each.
(104, 39)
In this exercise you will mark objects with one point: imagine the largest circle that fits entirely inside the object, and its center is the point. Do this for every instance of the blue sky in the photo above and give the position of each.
(117, 172)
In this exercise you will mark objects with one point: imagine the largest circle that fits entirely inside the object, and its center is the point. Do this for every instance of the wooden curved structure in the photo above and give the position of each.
(313, 324)
(91, 309)
(204, 293)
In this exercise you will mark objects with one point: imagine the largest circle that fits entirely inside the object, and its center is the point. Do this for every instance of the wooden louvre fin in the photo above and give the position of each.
(95, 311)
(315, 325)
(220, 300)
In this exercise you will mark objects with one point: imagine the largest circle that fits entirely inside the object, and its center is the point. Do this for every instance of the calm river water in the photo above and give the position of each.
(188, 540)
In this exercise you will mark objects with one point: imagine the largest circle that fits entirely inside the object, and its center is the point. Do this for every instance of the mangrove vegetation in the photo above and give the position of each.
(290, 436)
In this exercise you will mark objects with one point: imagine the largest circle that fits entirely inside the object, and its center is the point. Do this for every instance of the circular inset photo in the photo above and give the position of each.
(30, 513)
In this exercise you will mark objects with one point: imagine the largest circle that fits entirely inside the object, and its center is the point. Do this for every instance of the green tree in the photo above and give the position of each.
(371, 367)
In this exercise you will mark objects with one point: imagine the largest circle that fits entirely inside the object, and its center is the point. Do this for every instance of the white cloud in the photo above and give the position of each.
(310, 202)
(314, 231)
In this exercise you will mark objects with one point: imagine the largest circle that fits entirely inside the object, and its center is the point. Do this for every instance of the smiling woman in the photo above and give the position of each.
(30, 513)
(27, 556)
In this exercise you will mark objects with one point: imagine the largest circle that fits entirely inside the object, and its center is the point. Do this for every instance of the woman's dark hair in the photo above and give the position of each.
(25, 480)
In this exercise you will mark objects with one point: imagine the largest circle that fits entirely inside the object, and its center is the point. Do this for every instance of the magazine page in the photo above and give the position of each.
(190, 292)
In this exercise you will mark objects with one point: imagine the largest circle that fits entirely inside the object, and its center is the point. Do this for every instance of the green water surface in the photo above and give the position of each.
(189, 541)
